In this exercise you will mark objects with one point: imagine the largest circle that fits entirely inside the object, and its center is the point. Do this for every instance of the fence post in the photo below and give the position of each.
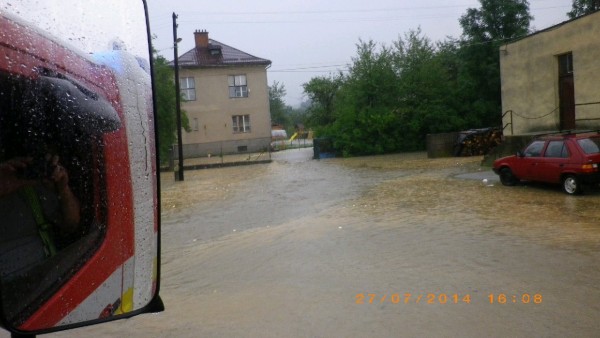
(172, 158)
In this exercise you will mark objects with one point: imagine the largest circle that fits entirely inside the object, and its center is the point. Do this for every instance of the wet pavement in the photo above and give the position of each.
(382, 246)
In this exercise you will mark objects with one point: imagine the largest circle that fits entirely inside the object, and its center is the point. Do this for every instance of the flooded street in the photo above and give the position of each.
(386, 246)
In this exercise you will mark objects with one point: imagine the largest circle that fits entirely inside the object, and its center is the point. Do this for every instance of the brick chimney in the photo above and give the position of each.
(201, 38)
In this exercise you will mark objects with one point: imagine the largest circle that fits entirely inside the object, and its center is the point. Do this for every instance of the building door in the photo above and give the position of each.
(566, 91)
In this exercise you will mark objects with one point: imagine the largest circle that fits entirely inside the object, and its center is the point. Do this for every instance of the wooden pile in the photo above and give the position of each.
(475, 142)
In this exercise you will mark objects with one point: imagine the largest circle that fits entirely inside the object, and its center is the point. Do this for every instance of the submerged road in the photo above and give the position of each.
(387, 246)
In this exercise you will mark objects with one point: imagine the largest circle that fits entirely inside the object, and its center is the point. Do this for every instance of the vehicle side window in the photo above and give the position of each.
(534, 149)
(557, 149)
(590, 145)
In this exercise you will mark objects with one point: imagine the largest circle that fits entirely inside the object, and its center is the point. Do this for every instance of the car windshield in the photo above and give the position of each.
(590, 145)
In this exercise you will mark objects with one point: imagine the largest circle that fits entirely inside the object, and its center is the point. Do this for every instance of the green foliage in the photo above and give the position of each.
(282, 114)
(392, 97)
(496, 21)
(484, 31)
(321, 92)
(583, 7)
(277, 105)
(366, 104)
(164, 82)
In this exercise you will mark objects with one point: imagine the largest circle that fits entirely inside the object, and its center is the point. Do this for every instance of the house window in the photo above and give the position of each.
(241, 123)
(187, 86)
(238, 86)
(195, 124)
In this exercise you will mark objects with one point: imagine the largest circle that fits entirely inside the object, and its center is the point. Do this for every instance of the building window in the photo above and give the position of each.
(565, 64)
(241, 123)
(187, 86)
(238, 86)
(195, 124)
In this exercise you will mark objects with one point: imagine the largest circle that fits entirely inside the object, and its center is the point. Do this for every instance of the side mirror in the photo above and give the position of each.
(80, 239)
(520, 153)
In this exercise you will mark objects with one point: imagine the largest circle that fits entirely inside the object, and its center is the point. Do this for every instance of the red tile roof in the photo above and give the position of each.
(218, 54)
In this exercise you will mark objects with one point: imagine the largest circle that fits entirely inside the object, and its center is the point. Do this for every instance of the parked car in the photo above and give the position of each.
(573, 160)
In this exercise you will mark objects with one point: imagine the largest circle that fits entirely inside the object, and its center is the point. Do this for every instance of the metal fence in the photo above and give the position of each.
(224, 153)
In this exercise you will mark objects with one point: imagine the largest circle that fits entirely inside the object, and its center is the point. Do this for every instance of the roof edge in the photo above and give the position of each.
(551, 28)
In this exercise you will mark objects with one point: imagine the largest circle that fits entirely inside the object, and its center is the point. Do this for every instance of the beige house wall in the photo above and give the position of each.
(213, 110)
(529, 72)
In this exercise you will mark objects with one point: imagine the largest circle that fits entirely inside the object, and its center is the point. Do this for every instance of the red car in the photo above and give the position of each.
(573, 160)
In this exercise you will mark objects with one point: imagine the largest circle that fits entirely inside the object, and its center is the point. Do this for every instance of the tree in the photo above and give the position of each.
(322, 91)
(427, 91)
(165, 105)
(582, 7)
(277, 105)
(297, 115)
(390, 99)
(364, 109)
(484, 30)
(496, 21)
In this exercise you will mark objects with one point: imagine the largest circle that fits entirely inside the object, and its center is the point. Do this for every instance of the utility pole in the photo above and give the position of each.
(177, 100)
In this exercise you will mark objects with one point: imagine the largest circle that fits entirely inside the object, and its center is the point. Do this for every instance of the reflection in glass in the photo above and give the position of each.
(50, 162)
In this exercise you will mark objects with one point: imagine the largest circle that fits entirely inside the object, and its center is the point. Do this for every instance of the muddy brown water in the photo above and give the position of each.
(383, 246)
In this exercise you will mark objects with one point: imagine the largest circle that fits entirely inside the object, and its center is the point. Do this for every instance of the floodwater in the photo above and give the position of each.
(385, 246)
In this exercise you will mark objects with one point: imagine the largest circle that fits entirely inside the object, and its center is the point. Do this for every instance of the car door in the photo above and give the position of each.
(556, 157)
(526, 165)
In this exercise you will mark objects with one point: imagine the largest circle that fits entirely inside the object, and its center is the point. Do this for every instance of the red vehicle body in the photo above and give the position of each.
(107, 272)
(571, 159)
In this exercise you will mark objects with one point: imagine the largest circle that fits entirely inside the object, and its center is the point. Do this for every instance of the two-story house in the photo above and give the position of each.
(226, 97)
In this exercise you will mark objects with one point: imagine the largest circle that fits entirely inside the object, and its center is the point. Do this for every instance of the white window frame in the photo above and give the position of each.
(238, 86)
(241, 123)
(187, 87)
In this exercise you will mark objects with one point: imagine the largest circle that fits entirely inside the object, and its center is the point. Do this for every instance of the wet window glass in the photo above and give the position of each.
(590, 145)
(188, 88)
(557, 149)
(237, 86)
(534, 149)
(52, 196)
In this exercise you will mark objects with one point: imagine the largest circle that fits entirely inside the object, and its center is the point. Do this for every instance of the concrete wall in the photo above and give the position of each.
(213, 109)
(441, 145)
(529, 71)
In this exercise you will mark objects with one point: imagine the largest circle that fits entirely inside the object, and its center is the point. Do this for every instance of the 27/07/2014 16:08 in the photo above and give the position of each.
(442, 298)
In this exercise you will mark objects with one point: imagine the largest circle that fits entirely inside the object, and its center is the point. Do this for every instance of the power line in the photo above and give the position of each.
(314, 69)
(307, 71)
(336, 11)
(191, 14)
(345, 11)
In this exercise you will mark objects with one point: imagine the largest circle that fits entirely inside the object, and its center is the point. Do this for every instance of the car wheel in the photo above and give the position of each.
(507, 178)
(571, 185)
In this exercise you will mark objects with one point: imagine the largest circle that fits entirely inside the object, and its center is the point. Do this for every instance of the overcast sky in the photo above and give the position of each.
(309, 38)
